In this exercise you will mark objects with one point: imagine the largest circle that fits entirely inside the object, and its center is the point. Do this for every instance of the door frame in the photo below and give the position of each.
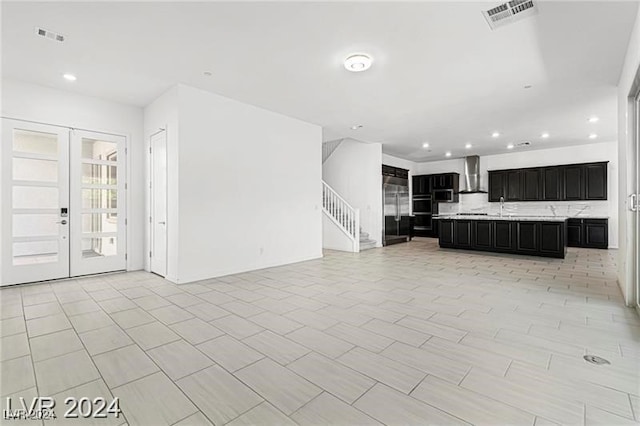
(127, 195)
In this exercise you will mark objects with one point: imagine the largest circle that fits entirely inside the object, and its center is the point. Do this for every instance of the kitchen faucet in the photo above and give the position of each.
(501, 205)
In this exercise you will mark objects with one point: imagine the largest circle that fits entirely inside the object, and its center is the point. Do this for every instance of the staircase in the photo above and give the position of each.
(346, 218)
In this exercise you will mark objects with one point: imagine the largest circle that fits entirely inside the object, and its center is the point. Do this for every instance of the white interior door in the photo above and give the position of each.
(98, 213)
(158, 255)
(35, 202)
(635, 226)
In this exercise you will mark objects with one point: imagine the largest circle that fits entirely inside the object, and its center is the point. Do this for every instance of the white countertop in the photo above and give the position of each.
(505, 217)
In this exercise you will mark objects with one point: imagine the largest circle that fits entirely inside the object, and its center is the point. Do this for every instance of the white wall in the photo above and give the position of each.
(248, 185)
(627, 85)
(606, 151)
(31, 102)
(354, 171)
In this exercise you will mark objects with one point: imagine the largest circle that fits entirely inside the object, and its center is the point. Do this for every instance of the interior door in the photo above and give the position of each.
(35, 202)
(158, 253)
(635, 226)
(98, 214)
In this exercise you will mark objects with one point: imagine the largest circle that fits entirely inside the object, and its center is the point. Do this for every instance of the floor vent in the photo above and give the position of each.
(50, 35)
(593, 359)
(509, 12)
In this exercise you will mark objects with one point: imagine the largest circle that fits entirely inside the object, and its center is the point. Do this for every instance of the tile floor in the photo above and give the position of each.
(409, 334)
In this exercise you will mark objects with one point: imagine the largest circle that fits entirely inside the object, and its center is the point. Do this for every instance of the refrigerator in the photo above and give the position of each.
(395, 205)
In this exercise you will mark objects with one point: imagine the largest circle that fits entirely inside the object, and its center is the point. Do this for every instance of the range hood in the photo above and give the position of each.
(472, 175)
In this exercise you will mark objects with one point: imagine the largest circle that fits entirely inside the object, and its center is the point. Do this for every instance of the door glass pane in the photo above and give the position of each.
(100, 222)
(35, 142)
(99, 150)
(35, 170)
(99, 174)
(35, 252)
(99, 199)
(99, 247)
(35, 197)
(35, 225)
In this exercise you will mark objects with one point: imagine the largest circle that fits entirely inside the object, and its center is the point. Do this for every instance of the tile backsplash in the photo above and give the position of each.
(478, 203)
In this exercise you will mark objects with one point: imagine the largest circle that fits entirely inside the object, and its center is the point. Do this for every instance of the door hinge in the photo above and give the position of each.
(126, 151)
(150, 220)
(150, 254)
(126, 186)
(149, 150)
(149, 184)
(126, 222)
(126, 256)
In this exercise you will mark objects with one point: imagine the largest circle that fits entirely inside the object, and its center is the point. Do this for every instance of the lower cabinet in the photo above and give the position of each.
(588, 233)
(505, 236)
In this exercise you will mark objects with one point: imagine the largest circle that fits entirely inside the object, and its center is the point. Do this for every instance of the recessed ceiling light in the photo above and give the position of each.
(425, 145)
(468, 146)
(510, 146)
(447, 154)
(495, 134)
(69, 77)
(593, 119)
(356, 127)
(593, 136)
(358, 62)
(208, 73)
(544, 135)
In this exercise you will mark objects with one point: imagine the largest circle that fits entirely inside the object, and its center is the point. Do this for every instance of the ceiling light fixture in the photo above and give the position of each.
(358, 62)
(544, 135)
(447, 154)
(356, 127)
(495, 134)
(208, 73)
(528, 86)
(425, 145)
(510, 146)
(593, 119)
(468, 146)
(593, 136)
(69, 77)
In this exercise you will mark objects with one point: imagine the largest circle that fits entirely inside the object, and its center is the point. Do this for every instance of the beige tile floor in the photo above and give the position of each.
(408, 334)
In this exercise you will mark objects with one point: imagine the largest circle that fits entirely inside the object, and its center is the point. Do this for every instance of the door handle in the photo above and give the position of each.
(633, 202)
(162, 223)
(62, 222)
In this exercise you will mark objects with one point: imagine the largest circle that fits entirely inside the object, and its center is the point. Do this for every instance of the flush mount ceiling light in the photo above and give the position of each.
(356, 127)
(510, 146)
(447, 154)
(593, 136)
(208, 73)
(528, 86)
(468, 146)
(593, 119)
(545, 135)
(425, 145)
(358, 62)
(495, 134)
(69, 77)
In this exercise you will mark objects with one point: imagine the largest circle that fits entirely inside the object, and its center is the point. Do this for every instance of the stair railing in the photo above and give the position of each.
(346, 217)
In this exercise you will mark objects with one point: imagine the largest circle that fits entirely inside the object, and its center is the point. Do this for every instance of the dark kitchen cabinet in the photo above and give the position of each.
(496, 185)
(531, 185)
(595, 181)
(588, 233)
(514, 183)
(445, 181)
(445, 233)
(569, 182)
(551, 237)
(483, 234)
(421, 185)
(573, 182)
(503, 235)
(462, 233)
(527, 236)
(551, 183)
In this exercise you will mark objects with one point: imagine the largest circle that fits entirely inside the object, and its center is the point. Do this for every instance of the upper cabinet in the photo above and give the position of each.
(562, 183)
(421, 185)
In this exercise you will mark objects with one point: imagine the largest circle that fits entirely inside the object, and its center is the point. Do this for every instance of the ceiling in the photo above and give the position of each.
(439, 74)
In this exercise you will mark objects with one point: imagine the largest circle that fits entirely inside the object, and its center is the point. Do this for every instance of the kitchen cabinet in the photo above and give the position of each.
(529, 237)
(571, 182)
(551, 184)
(588, 233)
(445, 181)
(421, 185)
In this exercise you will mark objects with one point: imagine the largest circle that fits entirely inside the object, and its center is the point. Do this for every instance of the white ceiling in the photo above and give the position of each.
(439, 73)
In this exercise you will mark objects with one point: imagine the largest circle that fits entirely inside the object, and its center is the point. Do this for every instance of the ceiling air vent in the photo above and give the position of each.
(509, 12)
(50, 35)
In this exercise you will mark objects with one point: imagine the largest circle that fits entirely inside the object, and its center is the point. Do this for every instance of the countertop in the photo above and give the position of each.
(519, 218)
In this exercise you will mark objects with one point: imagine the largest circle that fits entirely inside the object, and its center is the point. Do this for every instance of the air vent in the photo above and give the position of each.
(50, 35)
(509, 12)
(525, 143)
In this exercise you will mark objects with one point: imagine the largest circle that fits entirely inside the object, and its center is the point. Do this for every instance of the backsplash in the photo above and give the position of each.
(478, 203)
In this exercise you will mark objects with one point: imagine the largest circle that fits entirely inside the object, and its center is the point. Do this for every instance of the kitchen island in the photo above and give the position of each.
(531, 235)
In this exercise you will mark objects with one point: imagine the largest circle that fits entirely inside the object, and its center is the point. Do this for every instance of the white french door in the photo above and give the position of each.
(62, 194)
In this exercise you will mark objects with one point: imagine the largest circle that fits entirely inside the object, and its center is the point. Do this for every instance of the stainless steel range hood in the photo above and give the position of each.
(472, 175)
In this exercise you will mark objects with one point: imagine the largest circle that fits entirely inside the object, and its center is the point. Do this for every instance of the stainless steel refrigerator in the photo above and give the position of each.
(395, 205)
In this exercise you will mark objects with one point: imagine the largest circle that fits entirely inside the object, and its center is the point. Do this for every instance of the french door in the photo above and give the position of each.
(63, 194)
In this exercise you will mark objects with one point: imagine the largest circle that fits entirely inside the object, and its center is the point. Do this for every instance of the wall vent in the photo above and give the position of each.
(50, 35)
(509, 12)
(524, 143)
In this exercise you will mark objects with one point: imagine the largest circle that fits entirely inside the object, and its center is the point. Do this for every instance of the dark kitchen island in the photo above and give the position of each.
(531, 235)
